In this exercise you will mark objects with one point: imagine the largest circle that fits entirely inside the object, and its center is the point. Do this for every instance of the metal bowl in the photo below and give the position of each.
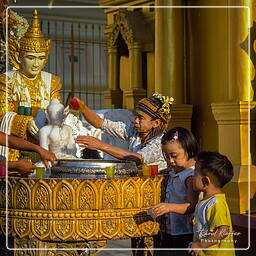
(91, 168)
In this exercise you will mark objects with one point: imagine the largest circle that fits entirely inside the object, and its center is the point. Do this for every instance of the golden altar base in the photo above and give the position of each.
(58, 210)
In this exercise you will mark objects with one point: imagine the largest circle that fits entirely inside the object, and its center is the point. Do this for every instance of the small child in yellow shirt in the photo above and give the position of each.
(212, 222)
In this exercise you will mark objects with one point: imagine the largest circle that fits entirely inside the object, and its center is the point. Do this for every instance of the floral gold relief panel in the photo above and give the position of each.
(149, 227)
(110, 227)
(110, 195)
(87, 228)
(22, 195)
(63, 229)
(147, 193)
(3, 226)
(130, 194)
(130, 227)
(41, 196)
(21, 227)
(3, 194)
(41, 228)
(63, 196)
(87, 196)
(77, 209)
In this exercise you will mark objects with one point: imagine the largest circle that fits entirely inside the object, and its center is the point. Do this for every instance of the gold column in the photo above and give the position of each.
(113, 68)
(169, 59)
(113, 97)
(240, 66)
(233, 129)
(181, 116)
(136, 91)
(233, 115)
(169, 50)
(136, 66)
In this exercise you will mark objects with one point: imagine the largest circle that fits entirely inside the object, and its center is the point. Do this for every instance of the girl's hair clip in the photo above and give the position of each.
(175, 136)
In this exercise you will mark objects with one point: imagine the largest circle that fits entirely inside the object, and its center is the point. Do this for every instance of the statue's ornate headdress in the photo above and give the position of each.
(32, 41)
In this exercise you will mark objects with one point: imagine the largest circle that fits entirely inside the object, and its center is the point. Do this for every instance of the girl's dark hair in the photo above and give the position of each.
(216, 166)
(185, 138)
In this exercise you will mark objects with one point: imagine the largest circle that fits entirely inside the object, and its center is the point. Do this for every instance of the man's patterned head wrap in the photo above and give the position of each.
(158, 107)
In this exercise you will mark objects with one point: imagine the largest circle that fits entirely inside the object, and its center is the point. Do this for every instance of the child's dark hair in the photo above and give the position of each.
(216, 166)
(185, 138)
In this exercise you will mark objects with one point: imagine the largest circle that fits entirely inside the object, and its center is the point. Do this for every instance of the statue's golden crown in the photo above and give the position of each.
(32, 41)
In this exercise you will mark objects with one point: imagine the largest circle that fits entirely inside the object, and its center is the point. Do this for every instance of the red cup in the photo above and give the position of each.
(2, 170)
(154, 170)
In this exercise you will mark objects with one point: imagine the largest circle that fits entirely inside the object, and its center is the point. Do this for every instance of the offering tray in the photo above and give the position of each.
(91, 168)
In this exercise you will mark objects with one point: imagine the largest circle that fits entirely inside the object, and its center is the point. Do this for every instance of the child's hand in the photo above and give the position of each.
(161, 209)
(195, 252)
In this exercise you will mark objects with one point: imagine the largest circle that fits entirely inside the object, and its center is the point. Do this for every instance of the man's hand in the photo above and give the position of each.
(161, 209)
(81, 103)
(89, 142)
(32, 128)
(46, 156)
(23, 166)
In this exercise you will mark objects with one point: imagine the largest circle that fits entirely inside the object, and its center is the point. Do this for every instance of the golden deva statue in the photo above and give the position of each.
(28, 89)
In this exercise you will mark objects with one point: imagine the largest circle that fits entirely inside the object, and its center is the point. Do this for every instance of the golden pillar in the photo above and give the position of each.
(240, 68)
(113, 97)
(169, 59)
(234, 140)
(136, 91)
(169, 50)
(181, 116)
(136, 66)
(235, 116)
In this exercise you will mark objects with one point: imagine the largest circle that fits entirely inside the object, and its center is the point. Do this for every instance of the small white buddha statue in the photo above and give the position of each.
(56, 136)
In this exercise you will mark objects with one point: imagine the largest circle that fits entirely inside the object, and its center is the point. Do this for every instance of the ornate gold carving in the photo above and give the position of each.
(3, 225)
(110, 227)
(25, 243)
(87, 196)
(20, 129)
(2, 195)
(110, 196)
(63, 229)
(130, 227)
(41, 228)
(131, 26)
(149, 226)
(21, 227)
(130, 192)
(22, 195)
(63, 196)
(41, 196)
(93, 209)
(147, 194)
(86, 228)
